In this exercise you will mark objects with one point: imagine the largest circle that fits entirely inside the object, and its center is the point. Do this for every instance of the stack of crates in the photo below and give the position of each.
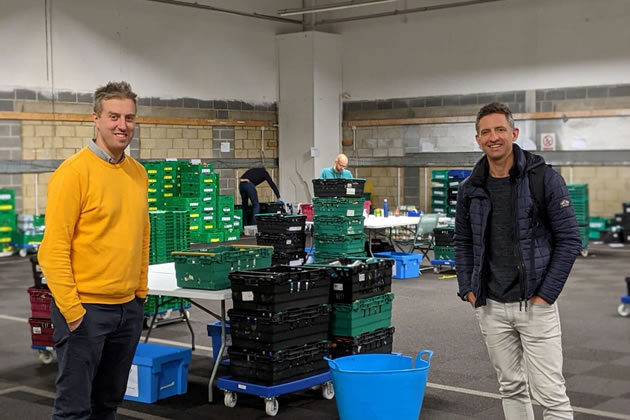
(286, 233)
(208, 268)
(625, 222)
(40, 323)
(199, 190)
(444, 248)
(164, 305)
(7, 219)
(227, 218)
(445, 184)
(360, 293)
(30, 231)
(579, 197)
(338, 219)
(163, 182)
(279, 324)
(169, 232)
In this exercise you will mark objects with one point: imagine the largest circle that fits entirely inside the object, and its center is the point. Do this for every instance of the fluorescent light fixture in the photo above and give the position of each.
(331, 7)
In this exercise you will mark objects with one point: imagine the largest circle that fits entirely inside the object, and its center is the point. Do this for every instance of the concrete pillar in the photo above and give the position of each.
(309, 109)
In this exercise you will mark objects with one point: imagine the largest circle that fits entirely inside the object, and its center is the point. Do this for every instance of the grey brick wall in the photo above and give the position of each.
(11, 149)
(411, 187)
(224, 135)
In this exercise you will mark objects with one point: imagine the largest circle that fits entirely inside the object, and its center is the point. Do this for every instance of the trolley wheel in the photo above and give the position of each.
(328, 391)
(271, 407)
(436, 269)
(230, 399)
(46, 357)
(23, 252)
(624, 309)
(584, 252)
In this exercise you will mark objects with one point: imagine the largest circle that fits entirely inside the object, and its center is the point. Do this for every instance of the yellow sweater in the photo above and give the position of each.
(96, 243)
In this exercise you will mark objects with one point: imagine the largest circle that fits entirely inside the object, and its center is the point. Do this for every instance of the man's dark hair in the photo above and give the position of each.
(494, 108)
(119, 90)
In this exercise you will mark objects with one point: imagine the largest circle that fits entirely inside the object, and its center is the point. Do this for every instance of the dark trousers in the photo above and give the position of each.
(94, 359)
(248, 191)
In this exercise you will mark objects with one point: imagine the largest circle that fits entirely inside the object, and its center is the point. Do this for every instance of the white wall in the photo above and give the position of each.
(502, 46)
(163, 50)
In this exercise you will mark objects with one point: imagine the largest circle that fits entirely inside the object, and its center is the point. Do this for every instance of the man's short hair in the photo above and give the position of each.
(119, 90)
(494, 108)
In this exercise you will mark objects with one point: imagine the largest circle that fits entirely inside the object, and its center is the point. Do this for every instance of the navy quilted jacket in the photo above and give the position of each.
(546, 254)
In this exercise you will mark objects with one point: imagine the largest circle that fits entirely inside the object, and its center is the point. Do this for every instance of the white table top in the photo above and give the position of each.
(377, 222)
(162, 282)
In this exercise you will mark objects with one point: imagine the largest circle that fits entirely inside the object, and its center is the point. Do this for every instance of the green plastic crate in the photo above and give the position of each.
(439, 174)
(339, 206)
(361, 316)
(444, 252)
(338, 224)
(329, 243)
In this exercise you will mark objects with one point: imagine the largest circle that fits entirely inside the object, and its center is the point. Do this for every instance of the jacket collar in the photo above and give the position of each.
(523, 162)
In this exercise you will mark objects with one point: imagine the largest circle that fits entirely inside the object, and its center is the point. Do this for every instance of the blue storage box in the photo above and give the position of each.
(214, 331)
(157, 372)
(406, 265)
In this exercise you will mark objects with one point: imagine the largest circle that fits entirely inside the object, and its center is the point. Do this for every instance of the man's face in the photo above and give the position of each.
(116, 123)
(340, 164)
(496, 136)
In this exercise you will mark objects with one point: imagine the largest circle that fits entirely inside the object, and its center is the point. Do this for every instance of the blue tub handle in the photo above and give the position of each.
(422, 353)
(332, 362)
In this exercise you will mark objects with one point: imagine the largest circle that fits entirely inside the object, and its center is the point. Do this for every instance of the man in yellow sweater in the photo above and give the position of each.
(95, 256)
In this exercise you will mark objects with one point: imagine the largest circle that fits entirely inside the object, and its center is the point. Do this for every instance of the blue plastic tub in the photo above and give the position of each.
(406, 266)
(157, 372)
(214, 331)
(380, 386)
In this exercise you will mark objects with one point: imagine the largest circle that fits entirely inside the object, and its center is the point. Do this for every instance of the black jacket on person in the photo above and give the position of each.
(257, 175)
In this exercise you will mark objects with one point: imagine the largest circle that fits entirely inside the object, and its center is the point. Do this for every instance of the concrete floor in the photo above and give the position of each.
(427, 315)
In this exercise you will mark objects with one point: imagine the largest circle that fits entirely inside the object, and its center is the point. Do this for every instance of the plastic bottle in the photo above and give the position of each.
(385, 208)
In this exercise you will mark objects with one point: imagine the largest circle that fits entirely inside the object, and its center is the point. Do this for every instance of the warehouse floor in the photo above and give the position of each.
(427, 315)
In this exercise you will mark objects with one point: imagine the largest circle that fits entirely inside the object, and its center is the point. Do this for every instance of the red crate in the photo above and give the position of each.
(42, 332)
(40, 302)
(307, 209)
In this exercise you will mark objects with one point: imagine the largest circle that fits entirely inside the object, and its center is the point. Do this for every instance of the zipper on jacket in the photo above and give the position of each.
(517, 248)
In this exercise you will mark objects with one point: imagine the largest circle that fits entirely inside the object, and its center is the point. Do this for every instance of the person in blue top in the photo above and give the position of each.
(338, 170)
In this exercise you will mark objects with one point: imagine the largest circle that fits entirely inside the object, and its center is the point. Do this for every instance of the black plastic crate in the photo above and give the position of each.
(338, 187)
(358, 278)
(279, 288)
(282, 242)
(271, 368)
(272, 207)
(280, 223)
(38, 276)
(444, 236)
(379, 245)
(377, 341)
(291, 258)
(273, 331)
(628, 284)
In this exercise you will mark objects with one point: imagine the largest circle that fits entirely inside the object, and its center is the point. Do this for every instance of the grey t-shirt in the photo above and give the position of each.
(503, 279)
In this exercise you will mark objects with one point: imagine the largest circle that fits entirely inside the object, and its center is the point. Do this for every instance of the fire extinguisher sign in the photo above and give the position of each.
(548, 142)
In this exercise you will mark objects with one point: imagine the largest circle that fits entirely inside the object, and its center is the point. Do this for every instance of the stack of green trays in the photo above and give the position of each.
(338, 227)
(163, 182)
(7, 218)
(444, 252)
(444, 185)
(164, 304)
(169, 232)
(579, 198)
(362, 315)
(225, 212)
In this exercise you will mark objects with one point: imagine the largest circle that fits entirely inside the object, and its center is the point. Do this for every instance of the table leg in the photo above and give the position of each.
(217, 361)
(185, 315)
(155, 313)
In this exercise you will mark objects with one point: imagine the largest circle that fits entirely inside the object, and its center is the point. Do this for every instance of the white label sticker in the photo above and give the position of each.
(37, 330)
(241, 386)
(288, 241)
(350, 191)
(247, 296)
(296, 262)
(210, 217)
(205, 171)
(132, 383)
(208, 198)
(193, 204)
(208, 209)
(295, 228)
(350, 212)
(338, 287)
(394, 269)
(361, 276)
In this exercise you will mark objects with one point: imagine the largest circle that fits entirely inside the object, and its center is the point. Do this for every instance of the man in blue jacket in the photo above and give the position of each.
(512, 263)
